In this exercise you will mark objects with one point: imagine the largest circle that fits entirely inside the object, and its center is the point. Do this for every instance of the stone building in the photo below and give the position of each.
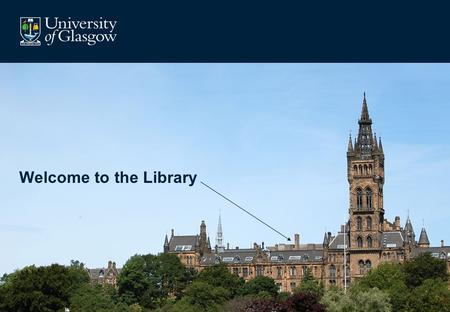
(365, 241)
(104, 276)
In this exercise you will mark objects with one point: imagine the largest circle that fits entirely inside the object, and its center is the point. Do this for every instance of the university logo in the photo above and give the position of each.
(30, 30)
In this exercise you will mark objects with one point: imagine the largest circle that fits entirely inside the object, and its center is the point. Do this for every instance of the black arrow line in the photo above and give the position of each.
(246, 211)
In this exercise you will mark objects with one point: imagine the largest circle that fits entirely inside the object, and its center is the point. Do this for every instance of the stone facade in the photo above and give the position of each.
(365, 241)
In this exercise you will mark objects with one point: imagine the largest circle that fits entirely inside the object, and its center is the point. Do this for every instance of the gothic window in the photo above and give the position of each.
(358, 198)
(236, 271)
(368, 264)
(293, 271)
(359, 241)
(365, 169)
(369, 223)
(360, 169)
(332, 271)
(245, 272)
(369, 198)
(369, 241)
(259, 271)
(359, 223)
(370, 169)
(279, 272)
(355, 169)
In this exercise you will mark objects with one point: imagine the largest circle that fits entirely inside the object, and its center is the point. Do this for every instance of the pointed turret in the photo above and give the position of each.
(375, 143)
(380, 146)
(408, 232)
(166, 244)
(423, 239)
(350, 144)
(325, 240)
(203, 242)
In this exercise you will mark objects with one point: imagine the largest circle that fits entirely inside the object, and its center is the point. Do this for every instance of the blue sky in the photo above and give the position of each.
(273, 137)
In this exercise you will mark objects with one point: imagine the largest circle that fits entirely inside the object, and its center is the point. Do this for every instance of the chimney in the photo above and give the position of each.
(442, 243)
(172, 232)
(262, 245)
(228, 245)
(297, 241)
(109, 264)
(397, 223)
(237, 247)
(114, 265)
(342, 228)
(255, 245)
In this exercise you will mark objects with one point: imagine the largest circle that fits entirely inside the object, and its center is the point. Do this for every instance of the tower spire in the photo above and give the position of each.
(219, 237)
(364, 143)
(365, 111)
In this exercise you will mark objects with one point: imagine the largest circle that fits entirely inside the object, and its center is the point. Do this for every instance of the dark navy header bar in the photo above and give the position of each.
(228, 31)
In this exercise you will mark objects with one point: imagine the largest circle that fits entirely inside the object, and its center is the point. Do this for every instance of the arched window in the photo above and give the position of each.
(370, 169)
(332, 271)
(369, 241)
(360, 169)
(359, 223)
(365, 169)
(368, 264)
(361, 266)
(369, 223)
(358, 198)
(369, 198)
(355, 169)
(359, 241)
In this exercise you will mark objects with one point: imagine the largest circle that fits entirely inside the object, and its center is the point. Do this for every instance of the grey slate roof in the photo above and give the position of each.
(392, 239)
(313, 255)
(337, 242)
(437, 252)
(243, 256)
(183, 240)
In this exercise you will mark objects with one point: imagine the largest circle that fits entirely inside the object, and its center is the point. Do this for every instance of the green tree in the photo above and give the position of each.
(149, 280)
(46, 288)
(219, 276)
(310, 284)
(336, 300)
(424, 267)
(260, 286)
(205, 297)
(432, 296)
(91, 298)
(388, 277)
(372, 300)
